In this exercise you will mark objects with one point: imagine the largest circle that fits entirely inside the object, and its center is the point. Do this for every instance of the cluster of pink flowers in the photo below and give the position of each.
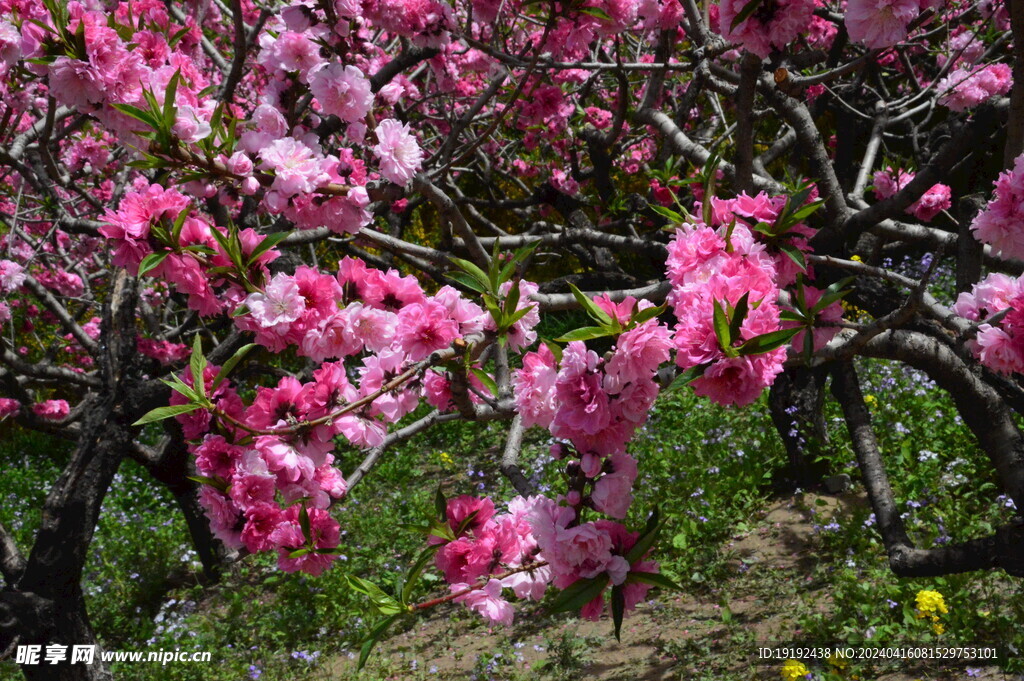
(163, 351)
(999, 345)
(967, 86)
(241, 497)
(130, 229)
(289, 430)
(771, 27)
(585, 550)
(537, 542)
(596, 404)
(1001, 223)
(719, 264)
(489, 546)
(937, 199)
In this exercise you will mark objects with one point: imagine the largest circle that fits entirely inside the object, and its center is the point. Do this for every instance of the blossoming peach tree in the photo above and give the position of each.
(240, 236)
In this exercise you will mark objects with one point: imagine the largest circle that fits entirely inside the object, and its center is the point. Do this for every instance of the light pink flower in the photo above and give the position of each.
(296, 168)
(399, 153)
(12, 276)
(879, 23)
(487, 601)
(342, 91)
(279, 303)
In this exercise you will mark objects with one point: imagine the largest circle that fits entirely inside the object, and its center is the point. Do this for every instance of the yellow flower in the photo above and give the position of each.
(938, 628)
(930, 604)
(871, 401)
(856, 258)
(838, 661)
(446, 458)
(793, 670)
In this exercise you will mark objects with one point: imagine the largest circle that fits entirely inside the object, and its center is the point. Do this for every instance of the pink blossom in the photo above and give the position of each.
(879, 23)
(775, 24)
(399, 153)
(423, 328)
(583, 404)
(997, 350)
(278, 304)
(261, 520)
(53, 410)
(738, 380)
(296, 168)
(487, 601)
(223, 516)
(8, 407)
(1000, 223)
(612, 491)
(12, 276)
(342, 91)
(215, 456)
(966, 87)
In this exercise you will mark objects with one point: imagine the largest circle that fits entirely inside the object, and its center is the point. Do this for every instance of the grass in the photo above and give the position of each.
(708, 469)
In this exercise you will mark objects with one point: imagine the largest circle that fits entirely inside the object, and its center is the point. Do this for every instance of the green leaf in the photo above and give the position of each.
(618, 609)
(555, 349)
(767, 342)
(474, 271)
(668, 213)
(689, 376)
(216, 483)
(178, 385)
(137, 113)
(578, 594)
(647, 539)
(591, 307)
(382, 603)
(739, 313)
(304, 524)
(152, 261)
(466, 280)
(744, 13)
(198, 365)
(519, 256)
(518, 314)
(805, 212)
(486, 380)
(654, 579)
(161, 413)
(376, 633)
(792, 316)
(441, 505)
(584, 334)
(179, 223)
(232, 362)
(596, 12)
(795, 254)
(269, 242)
(710, 172)
(414, 573)
(647, 314)
(721, 325)
(170, 95)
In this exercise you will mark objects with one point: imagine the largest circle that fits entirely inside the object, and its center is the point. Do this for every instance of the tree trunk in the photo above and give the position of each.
(796, 401)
